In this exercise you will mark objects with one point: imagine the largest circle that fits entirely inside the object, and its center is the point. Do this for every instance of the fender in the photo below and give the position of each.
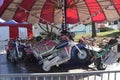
(74, 49)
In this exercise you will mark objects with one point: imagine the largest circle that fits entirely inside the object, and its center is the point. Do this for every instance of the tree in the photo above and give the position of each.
(48, 31)
(93, 30)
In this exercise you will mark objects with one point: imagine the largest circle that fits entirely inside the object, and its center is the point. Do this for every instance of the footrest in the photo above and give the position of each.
(112, 58)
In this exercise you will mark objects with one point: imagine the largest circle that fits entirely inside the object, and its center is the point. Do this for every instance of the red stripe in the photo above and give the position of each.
(71, 13)
(93, 8)
(4, 6)
(47, 12)
(13, 31)
(14, 28)
(29, 30)
(116, 3)
(20, 15)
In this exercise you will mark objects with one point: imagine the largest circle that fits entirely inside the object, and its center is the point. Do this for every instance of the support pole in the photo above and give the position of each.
(64, 27)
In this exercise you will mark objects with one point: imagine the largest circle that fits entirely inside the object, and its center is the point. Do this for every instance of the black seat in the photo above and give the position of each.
(62, 44)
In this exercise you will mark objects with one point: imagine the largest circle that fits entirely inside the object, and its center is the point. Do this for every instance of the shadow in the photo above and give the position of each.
(113, 34)
(65, 67)
(73, 65)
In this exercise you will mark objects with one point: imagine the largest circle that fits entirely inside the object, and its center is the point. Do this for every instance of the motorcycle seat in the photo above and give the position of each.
(62, 44)
(93, 48)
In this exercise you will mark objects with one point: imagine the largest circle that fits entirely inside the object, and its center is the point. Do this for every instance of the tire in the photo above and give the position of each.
(13, 60)
(21, 54)
(100, 65)
(10, 57)
(45, 66)
(84, 58)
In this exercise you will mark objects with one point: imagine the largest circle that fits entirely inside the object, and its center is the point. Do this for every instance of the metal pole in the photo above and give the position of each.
(64, 27)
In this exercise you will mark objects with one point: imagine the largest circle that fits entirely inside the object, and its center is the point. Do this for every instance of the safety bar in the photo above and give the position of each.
(90, 75)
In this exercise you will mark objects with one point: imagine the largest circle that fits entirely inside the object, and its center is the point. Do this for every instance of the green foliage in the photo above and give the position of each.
(107, 34)
(88, 24)
(111, 33)
(105, 29)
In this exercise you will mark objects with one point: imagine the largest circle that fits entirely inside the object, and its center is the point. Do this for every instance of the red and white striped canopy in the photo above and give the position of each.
(13, 31)
(77, 11)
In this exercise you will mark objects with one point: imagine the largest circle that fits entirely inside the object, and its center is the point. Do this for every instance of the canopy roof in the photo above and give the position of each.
(44, 11)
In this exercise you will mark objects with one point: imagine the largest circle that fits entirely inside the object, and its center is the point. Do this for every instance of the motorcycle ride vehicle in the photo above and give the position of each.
(49, 53)
(106, 55)
(15, 51)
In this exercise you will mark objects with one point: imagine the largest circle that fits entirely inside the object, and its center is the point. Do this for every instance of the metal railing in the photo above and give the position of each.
(91, 75)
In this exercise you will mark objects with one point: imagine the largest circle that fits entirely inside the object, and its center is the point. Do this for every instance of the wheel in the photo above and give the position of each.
(13, 56)
(118, 60)
(13, 60)
(46, 66)
(100, 65)
(85, 57)
(21, 54)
